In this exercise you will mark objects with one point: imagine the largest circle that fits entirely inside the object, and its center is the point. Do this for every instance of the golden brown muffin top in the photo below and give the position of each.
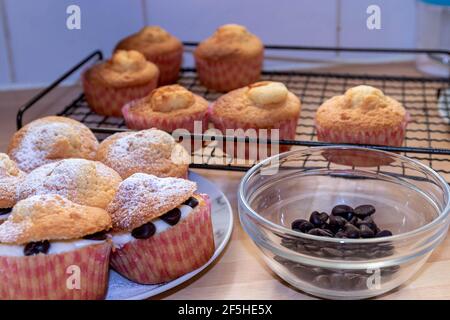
(10, 177)
(262, 104)
(51, 139)
(361, 107)
(230, 41)
(149, 151)
(143, 197)
(171, 101)
(150, 40)
(85, 182)
(124, 69)
(51, 217)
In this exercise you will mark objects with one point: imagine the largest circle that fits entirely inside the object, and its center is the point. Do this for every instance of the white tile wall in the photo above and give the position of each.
(42, 45)
(305, 22)
(43, 48)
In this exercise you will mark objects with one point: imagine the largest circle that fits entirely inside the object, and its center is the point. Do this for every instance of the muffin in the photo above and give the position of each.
(51, 139)
(162, 229)
(109, 85)
(52, 248)
(263, 105)
(10, 177)
(363, 115)
(85, 182)
(159, 47)
(167, 108)
(231, 58)
(149, 151)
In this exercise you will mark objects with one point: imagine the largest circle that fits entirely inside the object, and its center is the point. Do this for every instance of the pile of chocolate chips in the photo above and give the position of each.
(343, 222)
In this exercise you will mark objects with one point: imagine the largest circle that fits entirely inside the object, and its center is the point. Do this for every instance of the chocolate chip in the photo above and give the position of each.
(364, 210)
(343, 211)
(172, 217)
(320, 232)
(351, 231)
(340, 234)
(337, 222)
(302, 225)
(316, 219)
(191, 202)
(366, 232)
(34, 248)
(98, 236)
(144, 232)
(384, 233)
(5, 211)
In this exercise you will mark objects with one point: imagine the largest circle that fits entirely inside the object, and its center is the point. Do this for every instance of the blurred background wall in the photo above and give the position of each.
(36, 46)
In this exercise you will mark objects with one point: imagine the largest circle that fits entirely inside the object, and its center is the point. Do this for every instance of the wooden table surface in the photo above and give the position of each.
(239, 273)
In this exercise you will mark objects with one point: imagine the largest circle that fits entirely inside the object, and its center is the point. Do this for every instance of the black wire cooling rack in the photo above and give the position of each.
(426, 99)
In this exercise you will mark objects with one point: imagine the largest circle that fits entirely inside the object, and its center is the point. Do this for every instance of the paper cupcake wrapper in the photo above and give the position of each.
(287, 131)
(109, 101)
(55, 276)
(225, 75)
(388, 137)
(169, 254)
(169, 65)
(138, 122)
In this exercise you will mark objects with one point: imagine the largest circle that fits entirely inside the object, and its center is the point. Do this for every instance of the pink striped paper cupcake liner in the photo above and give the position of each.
(169, 254)
(55, 276)
(169, 65)
(109, 101)
(139, 122)
(225, 76)
(252, 151)
(388, 137)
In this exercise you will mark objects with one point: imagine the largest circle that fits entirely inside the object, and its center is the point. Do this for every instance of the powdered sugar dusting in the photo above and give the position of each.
(63, 177)
(143, 197)
(132, 149)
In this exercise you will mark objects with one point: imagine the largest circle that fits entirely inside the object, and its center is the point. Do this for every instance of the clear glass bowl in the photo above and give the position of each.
(410, 199)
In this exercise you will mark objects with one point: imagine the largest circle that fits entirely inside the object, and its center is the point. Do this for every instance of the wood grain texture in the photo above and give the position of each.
(240, 273)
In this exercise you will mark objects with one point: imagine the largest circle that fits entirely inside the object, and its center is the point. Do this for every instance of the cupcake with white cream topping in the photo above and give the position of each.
(52, 248)
(162, 228)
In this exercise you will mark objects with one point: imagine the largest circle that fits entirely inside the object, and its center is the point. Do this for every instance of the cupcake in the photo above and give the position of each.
(259, 108)
(10, 177)
(231, 58)
(85, 182)
(51, 139)
(159, 47)
(149, 151)
(363, 115)
(167, 108)
(52, 248)
(162, 229)
(108, 86)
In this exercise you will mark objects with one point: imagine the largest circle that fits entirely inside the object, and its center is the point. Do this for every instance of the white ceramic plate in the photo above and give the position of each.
(222, 220)
(444, 105)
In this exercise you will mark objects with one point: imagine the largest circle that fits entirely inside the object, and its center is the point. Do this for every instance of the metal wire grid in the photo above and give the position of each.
(427, 101)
